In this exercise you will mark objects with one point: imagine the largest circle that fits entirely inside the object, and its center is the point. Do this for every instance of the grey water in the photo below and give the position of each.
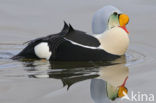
(37, 81)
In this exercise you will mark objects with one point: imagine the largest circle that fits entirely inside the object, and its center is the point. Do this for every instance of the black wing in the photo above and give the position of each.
(73, 35)
(81, 37)
(56, 40)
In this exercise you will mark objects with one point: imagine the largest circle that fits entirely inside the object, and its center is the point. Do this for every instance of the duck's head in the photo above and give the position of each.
(120, 20)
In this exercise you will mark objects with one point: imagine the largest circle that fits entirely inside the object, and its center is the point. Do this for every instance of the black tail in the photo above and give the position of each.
(16, 57)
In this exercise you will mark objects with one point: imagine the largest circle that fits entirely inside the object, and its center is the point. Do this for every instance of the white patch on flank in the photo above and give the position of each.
(114, 41)
(42, 50)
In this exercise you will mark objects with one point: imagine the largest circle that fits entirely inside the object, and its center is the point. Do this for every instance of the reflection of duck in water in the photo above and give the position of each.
(68, 72)
(110, 84)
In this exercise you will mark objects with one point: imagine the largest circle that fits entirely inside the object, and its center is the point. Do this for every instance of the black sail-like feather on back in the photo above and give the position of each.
(81, 37)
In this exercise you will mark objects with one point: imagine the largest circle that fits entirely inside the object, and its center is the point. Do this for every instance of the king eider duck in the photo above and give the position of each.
(74, 45)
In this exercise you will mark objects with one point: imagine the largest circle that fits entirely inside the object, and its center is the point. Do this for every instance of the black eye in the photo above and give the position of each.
(115, 13)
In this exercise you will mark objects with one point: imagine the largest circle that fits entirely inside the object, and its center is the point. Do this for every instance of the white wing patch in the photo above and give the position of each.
(42, 50)
(84, 46)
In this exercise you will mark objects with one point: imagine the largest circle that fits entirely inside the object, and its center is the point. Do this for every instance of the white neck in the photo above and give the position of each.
(114, 41)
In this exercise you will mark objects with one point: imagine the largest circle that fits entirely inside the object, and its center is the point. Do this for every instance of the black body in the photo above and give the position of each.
(64, 50)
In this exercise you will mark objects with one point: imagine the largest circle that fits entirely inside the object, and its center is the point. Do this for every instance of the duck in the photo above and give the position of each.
(75, 45)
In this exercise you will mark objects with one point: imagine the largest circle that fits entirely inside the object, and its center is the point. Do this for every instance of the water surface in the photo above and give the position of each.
(75, 82)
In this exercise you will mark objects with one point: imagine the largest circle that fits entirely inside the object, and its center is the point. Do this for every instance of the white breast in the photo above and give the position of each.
(114, 41)
(42, 50)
